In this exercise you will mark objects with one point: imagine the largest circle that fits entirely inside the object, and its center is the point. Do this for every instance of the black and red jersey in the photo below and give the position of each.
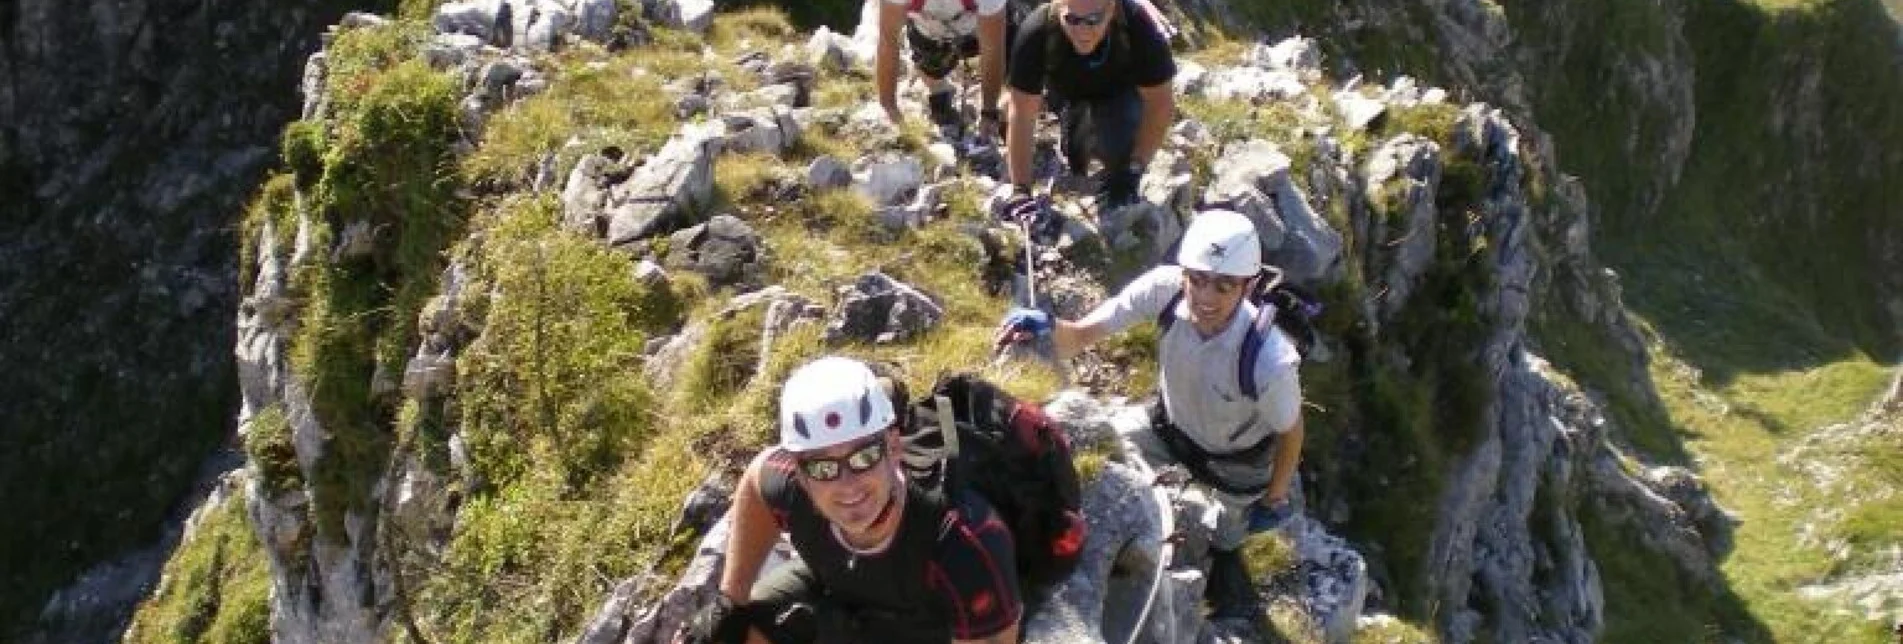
(948, 574)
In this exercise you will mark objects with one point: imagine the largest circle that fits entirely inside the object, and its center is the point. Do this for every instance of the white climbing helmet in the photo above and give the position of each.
(830, 401)
(1221, 241)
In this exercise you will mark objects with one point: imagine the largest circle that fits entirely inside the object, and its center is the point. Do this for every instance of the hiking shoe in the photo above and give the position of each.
(1119, 190)
(1264, 518)
(1230, 593)
(942, 108)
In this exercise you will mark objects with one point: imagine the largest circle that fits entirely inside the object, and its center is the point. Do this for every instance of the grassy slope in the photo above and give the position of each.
(1759, 328)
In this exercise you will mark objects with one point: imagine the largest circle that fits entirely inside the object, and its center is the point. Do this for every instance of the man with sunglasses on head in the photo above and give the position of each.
(941, 33)
(880, 560)
(1108, 62)
(1245, 448)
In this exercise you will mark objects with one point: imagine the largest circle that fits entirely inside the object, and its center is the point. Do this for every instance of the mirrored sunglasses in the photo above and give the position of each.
(860, 459)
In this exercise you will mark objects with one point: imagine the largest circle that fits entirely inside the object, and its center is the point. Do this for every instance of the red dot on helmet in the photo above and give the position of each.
(832, 419)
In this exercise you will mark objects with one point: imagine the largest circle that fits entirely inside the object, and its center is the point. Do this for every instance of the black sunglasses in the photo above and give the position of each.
(1091, 19)
(1223, 284)
(862, 458)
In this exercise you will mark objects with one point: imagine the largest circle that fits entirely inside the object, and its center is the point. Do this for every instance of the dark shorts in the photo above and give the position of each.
(789, 606)
(936, 58)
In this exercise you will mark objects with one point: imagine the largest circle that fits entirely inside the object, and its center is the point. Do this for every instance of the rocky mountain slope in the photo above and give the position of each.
(408, 479)
(478, 235)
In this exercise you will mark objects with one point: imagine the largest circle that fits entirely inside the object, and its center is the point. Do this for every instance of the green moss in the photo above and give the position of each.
(1268, 554)
(267, 444)
(215, 589)
(1394, 631)
(302, 150)
(602, 102)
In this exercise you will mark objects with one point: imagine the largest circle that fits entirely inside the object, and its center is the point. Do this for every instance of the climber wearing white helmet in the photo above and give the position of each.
(941, 33)
(880, 560)
(1233, 419)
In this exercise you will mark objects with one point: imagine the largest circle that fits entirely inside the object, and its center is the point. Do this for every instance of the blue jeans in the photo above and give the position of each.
(1104, 129)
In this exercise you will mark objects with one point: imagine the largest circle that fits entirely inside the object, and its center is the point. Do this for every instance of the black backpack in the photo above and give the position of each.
(1010, 452)
(1285, 306)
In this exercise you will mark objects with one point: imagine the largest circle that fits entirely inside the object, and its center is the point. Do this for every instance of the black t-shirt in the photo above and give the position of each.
(949, 574)
(1134, 54)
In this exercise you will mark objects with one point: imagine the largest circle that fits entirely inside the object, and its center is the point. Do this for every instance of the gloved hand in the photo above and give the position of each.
(1021, 323)
(1263, 518)
(718, 622)
(1021, 207)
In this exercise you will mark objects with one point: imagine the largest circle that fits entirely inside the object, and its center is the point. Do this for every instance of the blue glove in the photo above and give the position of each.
(1265, 518)
(1032, 321)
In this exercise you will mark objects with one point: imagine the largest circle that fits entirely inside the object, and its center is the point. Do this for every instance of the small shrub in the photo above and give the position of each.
(303, 151)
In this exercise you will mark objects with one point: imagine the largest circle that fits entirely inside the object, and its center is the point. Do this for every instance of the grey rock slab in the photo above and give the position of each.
(677, 181)
(692, 15)
(888, 179)
(828, 172)
(877, 309)
(767, 130)
(595, 19)
(724, 249)
(1358, 112)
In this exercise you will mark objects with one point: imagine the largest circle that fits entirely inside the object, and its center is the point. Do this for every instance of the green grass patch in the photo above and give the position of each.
(215, 589)
(267, 445)
(551, 370)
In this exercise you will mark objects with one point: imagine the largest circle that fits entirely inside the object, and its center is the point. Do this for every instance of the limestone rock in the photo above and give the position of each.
(622, 621)
(586, 194)
(692, 15)
(1357, 111)
(1252, 84)
(765, 130)
(1296, 54)
(826, 50)
(724, 249)
(676, 182)
(476, 18)
(888, 179)
(878, 309)
(595, 19)
(1253, 178)
(827, 172)
(1402, 176)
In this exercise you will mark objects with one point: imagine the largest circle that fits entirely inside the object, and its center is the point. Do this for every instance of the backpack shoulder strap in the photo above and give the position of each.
(1167, 317)
(1252, 340)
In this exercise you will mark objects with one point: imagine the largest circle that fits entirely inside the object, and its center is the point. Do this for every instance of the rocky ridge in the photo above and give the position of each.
(1391, 223)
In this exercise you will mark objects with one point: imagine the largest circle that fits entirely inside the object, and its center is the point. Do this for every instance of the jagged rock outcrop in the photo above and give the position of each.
(725, 250)
(878, 309)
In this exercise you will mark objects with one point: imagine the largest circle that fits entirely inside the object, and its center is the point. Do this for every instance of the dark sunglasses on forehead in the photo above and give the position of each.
(1223, 284)
(1091, 19)
(864, 457)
